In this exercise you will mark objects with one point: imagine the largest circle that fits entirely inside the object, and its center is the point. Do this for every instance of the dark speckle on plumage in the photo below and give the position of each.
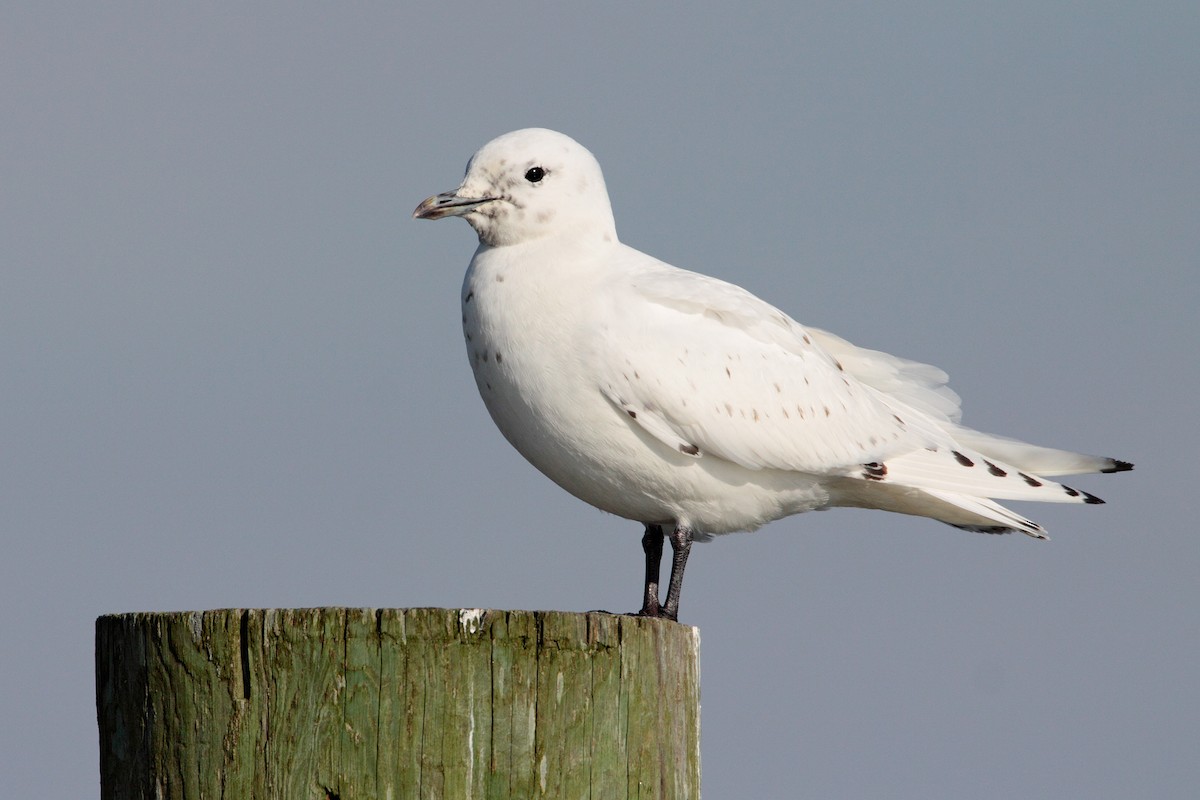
(875, 471)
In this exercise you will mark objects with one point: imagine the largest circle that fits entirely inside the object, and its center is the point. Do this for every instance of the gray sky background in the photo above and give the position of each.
(232, 374)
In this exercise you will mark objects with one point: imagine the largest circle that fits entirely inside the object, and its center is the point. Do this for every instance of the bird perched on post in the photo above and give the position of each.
(688, 404)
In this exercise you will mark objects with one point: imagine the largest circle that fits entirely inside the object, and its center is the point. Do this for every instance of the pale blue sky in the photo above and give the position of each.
(232, 369)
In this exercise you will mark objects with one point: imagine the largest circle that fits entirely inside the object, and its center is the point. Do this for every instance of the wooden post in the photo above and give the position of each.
(348, 703)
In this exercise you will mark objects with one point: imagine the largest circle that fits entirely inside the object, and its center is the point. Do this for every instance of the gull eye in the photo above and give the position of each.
(535, 174)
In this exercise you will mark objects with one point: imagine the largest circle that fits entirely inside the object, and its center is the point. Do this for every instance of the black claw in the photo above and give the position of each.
(656, 613)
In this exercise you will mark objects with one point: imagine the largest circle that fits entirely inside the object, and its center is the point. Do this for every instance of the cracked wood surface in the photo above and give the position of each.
(354, 703)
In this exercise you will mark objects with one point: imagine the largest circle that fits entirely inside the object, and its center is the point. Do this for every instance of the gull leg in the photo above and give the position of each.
(652, 546)
(681, 545)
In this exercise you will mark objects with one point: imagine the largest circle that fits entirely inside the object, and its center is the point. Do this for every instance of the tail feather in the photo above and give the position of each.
(960, 510)
(1002, 520)
(958, 486)
(1033, 458)
(968, 472)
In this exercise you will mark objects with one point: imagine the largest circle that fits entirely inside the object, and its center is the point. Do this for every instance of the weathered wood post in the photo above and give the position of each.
(393, 704)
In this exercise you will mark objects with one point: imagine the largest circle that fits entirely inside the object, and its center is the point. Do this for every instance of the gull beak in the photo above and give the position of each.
(448, 204)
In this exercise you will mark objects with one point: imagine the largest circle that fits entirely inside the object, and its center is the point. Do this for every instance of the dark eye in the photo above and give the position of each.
(535, 174)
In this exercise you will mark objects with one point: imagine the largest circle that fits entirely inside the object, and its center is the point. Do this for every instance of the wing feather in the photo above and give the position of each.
(704, 365)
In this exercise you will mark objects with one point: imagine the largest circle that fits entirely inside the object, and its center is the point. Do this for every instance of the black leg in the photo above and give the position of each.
(652, 546)
(681, 545)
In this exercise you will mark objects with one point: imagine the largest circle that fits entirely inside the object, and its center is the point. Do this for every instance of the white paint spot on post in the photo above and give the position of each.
(469, 619)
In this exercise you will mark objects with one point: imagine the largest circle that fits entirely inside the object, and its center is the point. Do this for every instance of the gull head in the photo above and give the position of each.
(526, 185)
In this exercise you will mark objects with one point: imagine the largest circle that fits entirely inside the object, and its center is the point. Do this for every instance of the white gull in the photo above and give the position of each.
(688, 404)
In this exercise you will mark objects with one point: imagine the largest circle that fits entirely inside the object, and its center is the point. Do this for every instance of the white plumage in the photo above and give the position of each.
(682, 401)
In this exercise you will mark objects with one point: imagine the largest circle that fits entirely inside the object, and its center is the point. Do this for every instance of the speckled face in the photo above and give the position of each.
(527, 185)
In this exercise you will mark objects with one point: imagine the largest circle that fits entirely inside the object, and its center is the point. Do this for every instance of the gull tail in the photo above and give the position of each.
(959, 486)
(1033, 458)
(992, 517)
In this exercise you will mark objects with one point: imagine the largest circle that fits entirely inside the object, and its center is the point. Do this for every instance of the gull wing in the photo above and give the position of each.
(709, 369)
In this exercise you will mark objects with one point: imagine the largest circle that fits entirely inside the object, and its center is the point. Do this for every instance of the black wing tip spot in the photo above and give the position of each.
(994, 470)
(1070, 492)
(1030, 480)
(1091, 499)
(689, 449)
(632, 414)
(1118, 466)
(960, 458)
